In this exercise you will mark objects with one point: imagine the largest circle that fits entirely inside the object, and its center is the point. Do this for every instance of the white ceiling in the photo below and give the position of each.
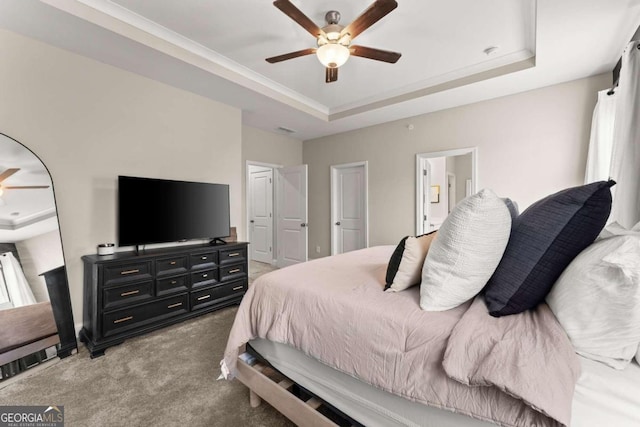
(24, 213)
(217, 49)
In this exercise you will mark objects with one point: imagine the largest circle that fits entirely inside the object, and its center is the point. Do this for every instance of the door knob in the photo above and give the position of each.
(338, 223)
(252, 221)
(304, 224)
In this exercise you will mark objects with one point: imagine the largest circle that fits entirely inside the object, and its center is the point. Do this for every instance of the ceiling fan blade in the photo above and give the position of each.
(378, 10)
(291, 55)
(377, 54)
(6, 174)
(331, 75)
(294, 13)
(25, 187)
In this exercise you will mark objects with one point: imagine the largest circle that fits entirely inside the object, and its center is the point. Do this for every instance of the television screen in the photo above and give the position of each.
(158, 210)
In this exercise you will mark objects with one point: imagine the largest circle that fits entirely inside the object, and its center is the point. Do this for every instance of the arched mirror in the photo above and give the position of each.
(35, 308)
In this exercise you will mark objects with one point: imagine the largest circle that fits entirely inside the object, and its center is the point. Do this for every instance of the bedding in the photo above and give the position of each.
(603, 396)
(545, 238)
(597, 300)
(333, 310)
(405, 265)
(467, 251)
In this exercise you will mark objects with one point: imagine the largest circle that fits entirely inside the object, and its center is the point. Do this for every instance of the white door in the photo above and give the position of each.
(451, 192)
(292, 215)
(261, 214)
(349, 207)
(428, 225)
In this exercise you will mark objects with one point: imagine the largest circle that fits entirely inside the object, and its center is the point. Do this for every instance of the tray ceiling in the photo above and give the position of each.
(217, 49)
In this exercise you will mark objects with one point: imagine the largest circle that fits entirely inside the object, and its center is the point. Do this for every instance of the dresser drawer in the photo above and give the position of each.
(231, 272)
(209, 296)
(173, 265)
(228, 256)
(204, 278)
(114, 274)
(128, 294)
(140, 315)
(204, 260)
(172, 285)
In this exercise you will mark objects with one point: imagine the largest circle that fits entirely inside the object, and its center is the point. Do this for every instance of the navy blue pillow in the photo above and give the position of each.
(544, 239)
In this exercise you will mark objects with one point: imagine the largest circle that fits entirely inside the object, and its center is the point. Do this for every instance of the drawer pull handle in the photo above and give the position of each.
(126, 294)
(204, 275)
(204, 297)
(124, 319)
(172, 263)
(173, 282)
(178, 304)
(235, 270)
(235, 254)
(237, 288)
(204, 257)
(129, 272)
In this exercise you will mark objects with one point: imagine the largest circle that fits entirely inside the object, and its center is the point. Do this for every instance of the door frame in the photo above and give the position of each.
(333, 171)
(274, 237)
(421, 158)
(449, 188)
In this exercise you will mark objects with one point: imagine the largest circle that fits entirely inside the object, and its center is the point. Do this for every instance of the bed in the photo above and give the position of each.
(33, 328)
(373, 383)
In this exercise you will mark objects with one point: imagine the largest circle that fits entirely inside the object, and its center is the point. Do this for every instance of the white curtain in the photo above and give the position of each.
(601, 143)
(625, 161)
(19, 290)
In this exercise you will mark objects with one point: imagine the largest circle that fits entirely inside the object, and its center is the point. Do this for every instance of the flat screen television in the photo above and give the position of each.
(160, 210)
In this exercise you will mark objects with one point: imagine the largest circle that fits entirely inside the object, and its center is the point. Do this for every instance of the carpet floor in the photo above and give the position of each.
(167, 377)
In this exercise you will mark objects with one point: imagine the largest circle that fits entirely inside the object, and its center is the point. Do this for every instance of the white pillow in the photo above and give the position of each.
(467, 251)
(410, 268)
(597, 300)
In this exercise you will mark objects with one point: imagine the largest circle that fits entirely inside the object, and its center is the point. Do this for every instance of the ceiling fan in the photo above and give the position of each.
(6, 174)
(334, 40)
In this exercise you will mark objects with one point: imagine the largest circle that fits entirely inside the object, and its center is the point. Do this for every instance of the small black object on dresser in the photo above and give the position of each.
(126, 295)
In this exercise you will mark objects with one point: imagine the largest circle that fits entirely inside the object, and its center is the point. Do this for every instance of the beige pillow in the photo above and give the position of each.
(409, 271)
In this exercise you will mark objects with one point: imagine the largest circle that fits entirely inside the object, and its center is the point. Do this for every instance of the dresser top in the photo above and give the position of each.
(152, 253)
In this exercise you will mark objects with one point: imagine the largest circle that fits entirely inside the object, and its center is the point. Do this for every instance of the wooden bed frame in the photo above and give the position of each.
(265, 383)
(33, 329)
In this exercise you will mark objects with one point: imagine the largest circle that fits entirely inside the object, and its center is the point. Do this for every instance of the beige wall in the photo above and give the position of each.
(267, 147)
(529, 145)
(90, 122)
(38, 255)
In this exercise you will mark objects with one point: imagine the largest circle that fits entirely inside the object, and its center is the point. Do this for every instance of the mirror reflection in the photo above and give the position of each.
(30, 247)
(443, 179)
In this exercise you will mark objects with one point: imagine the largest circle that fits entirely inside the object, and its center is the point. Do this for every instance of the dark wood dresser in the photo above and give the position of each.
(128, 294)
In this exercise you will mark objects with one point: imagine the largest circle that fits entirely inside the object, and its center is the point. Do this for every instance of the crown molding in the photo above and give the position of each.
(128, 24)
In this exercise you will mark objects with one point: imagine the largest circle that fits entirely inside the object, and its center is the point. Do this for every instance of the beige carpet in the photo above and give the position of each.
(164, 378)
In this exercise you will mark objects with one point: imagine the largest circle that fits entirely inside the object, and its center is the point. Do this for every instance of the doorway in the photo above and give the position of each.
(452, 198)
(260, 212)
(349, 207)
(276, 203)
(292, 207)
(443, 179)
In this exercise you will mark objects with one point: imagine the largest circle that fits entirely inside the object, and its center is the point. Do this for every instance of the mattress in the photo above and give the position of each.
(603, 396)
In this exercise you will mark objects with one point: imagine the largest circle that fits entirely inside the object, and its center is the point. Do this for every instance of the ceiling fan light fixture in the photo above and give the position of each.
(332, 55)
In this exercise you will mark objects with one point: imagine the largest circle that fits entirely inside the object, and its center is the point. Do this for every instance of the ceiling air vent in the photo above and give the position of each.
(286, 130)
